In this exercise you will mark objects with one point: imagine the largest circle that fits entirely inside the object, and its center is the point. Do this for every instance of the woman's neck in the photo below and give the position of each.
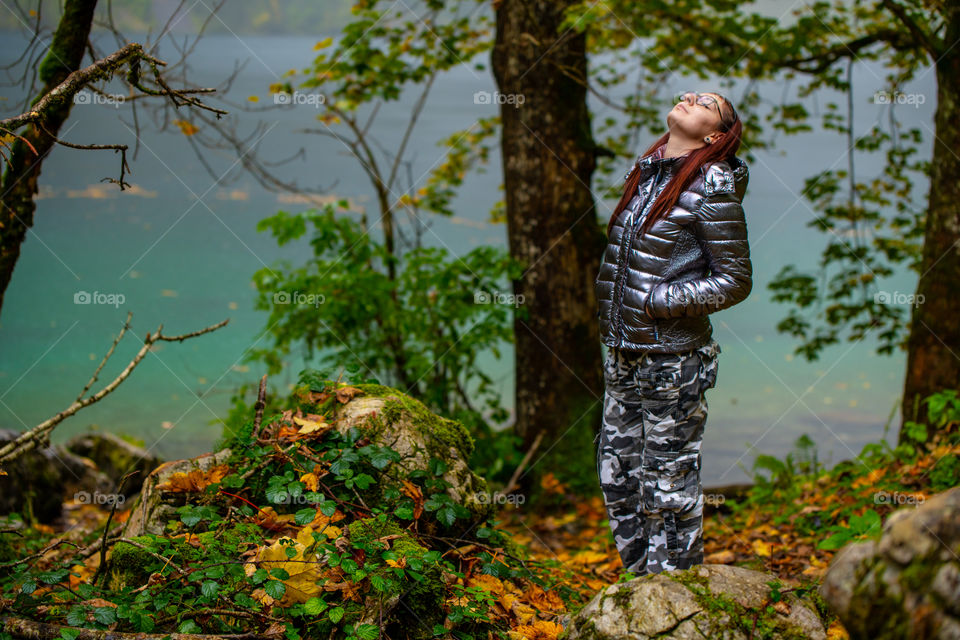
(676, 146)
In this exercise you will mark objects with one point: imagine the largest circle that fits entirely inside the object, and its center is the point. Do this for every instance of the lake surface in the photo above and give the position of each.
(181, 248)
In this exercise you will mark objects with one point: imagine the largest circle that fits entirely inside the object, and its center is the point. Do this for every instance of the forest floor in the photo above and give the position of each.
(790, 523)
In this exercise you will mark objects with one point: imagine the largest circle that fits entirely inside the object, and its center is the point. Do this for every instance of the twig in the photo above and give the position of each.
(261, 403)
(516, 474)
(56, 543)
(30, 439)
(106, 527)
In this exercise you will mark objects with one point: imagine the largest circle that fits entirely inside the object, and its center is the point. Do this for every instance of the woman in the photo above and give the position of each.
(677, 251)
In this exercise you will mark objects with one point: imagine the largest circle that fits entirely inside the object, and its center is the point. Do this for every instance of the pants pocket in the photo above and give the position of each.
(670, 483)
(658, 379)
(709, 364)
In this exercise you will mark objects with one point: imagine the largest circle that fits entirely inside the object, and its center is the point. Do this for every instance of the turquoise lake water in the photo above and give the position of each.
(181, 248)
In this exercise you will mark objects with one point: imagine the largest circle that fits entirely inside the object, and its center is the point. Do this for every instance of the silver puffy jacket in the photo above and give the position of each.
(654, 292)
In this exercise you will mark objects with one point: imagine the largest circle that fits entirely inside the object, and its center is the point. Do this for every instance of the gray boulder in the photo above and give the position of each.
(116, 457)
(907, 584)
(37, 483)
(154, 506)
(705, 601)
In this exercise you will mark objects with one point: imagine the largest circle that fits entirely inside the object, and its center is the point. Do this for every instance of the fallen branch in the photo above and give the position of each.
(40, 434)
(526, 459)
(31, 630)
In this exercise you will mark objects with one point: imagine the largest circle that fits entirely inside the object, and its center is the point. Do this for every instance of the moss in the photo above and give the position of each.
(444, 434)
(421, 601)
(130, 565)
(759, 624)
(7, 552)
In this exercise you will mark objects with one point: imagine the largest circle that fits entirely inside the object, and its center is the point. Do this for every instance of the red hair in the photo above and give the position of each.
(687, 168)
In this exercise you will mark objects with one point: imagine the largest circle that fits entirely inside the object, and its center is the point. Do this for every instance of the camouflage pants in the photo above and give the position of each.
(648, 454)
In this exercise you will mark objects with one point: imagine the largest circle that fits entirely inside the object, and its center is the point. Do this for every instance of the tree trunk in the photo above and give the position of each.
(20, 180)
(548, 160)
(933, 357)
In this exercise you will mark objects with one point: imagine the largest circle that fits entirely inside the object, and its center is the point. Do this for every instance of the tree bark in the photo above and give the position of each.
(933, 349)
(20, 180)
(549, 156)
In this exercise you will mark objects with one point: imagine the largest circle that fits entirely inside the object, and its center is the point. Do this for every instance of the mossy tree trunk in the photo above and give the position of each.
(549, 156)
(21, 178)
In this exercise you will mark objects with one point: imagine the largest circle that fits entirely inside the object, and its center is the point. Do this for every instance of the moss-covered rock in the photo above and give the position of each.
(412, 601)
(705, 601)
(907, 584)
(130, 565)
(116, 456)
(155, 507)
(389, 417)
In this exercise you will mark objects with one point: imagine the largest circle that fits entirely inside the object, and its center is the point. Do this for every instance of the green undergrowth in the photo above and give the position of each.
(365, 551)
(848, 502)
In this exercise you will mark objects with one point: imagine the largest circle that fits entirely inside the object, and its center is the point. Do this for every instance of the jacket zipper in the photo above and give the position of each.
(631, 230)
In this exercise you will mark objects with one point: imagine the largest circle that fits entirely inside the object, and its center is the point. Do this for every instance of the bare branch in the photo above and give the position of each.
(32, 438)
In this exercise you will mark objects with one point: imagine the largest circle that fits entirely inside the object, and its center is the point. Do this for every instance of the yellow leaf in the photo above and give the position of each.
(589, 557)
(304, 568)
(762, 548)
(332, 532)
(323, 44)
(310, 481)
(187, 128)
(309, 426)
(254, 98)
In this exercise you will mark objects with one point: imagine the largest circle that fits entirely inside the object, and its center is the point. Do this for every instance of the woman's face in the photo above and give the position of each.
(694, 120)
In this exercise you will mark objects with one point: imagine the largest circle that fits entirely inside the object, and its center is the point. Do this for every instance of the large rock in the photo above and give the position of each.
(154, 507)
(385, 417)
(37, 483)
(705, 601)
(907, 584)
(116, 457)
(390, 417)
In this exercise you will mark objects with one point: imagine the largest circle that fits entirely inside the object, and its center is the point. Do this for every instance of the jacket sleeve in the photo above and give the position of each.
(721, 231)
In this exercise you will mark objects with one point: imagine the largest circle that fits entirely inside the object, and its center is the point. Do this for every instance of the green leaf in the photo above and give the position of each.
(305, 516)
(77, 616)
(367, 631)
(314, 606)
(335, 614)
(209, 588)
(189, 626)
(275, 589)
(105, 615)
(69, 634)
